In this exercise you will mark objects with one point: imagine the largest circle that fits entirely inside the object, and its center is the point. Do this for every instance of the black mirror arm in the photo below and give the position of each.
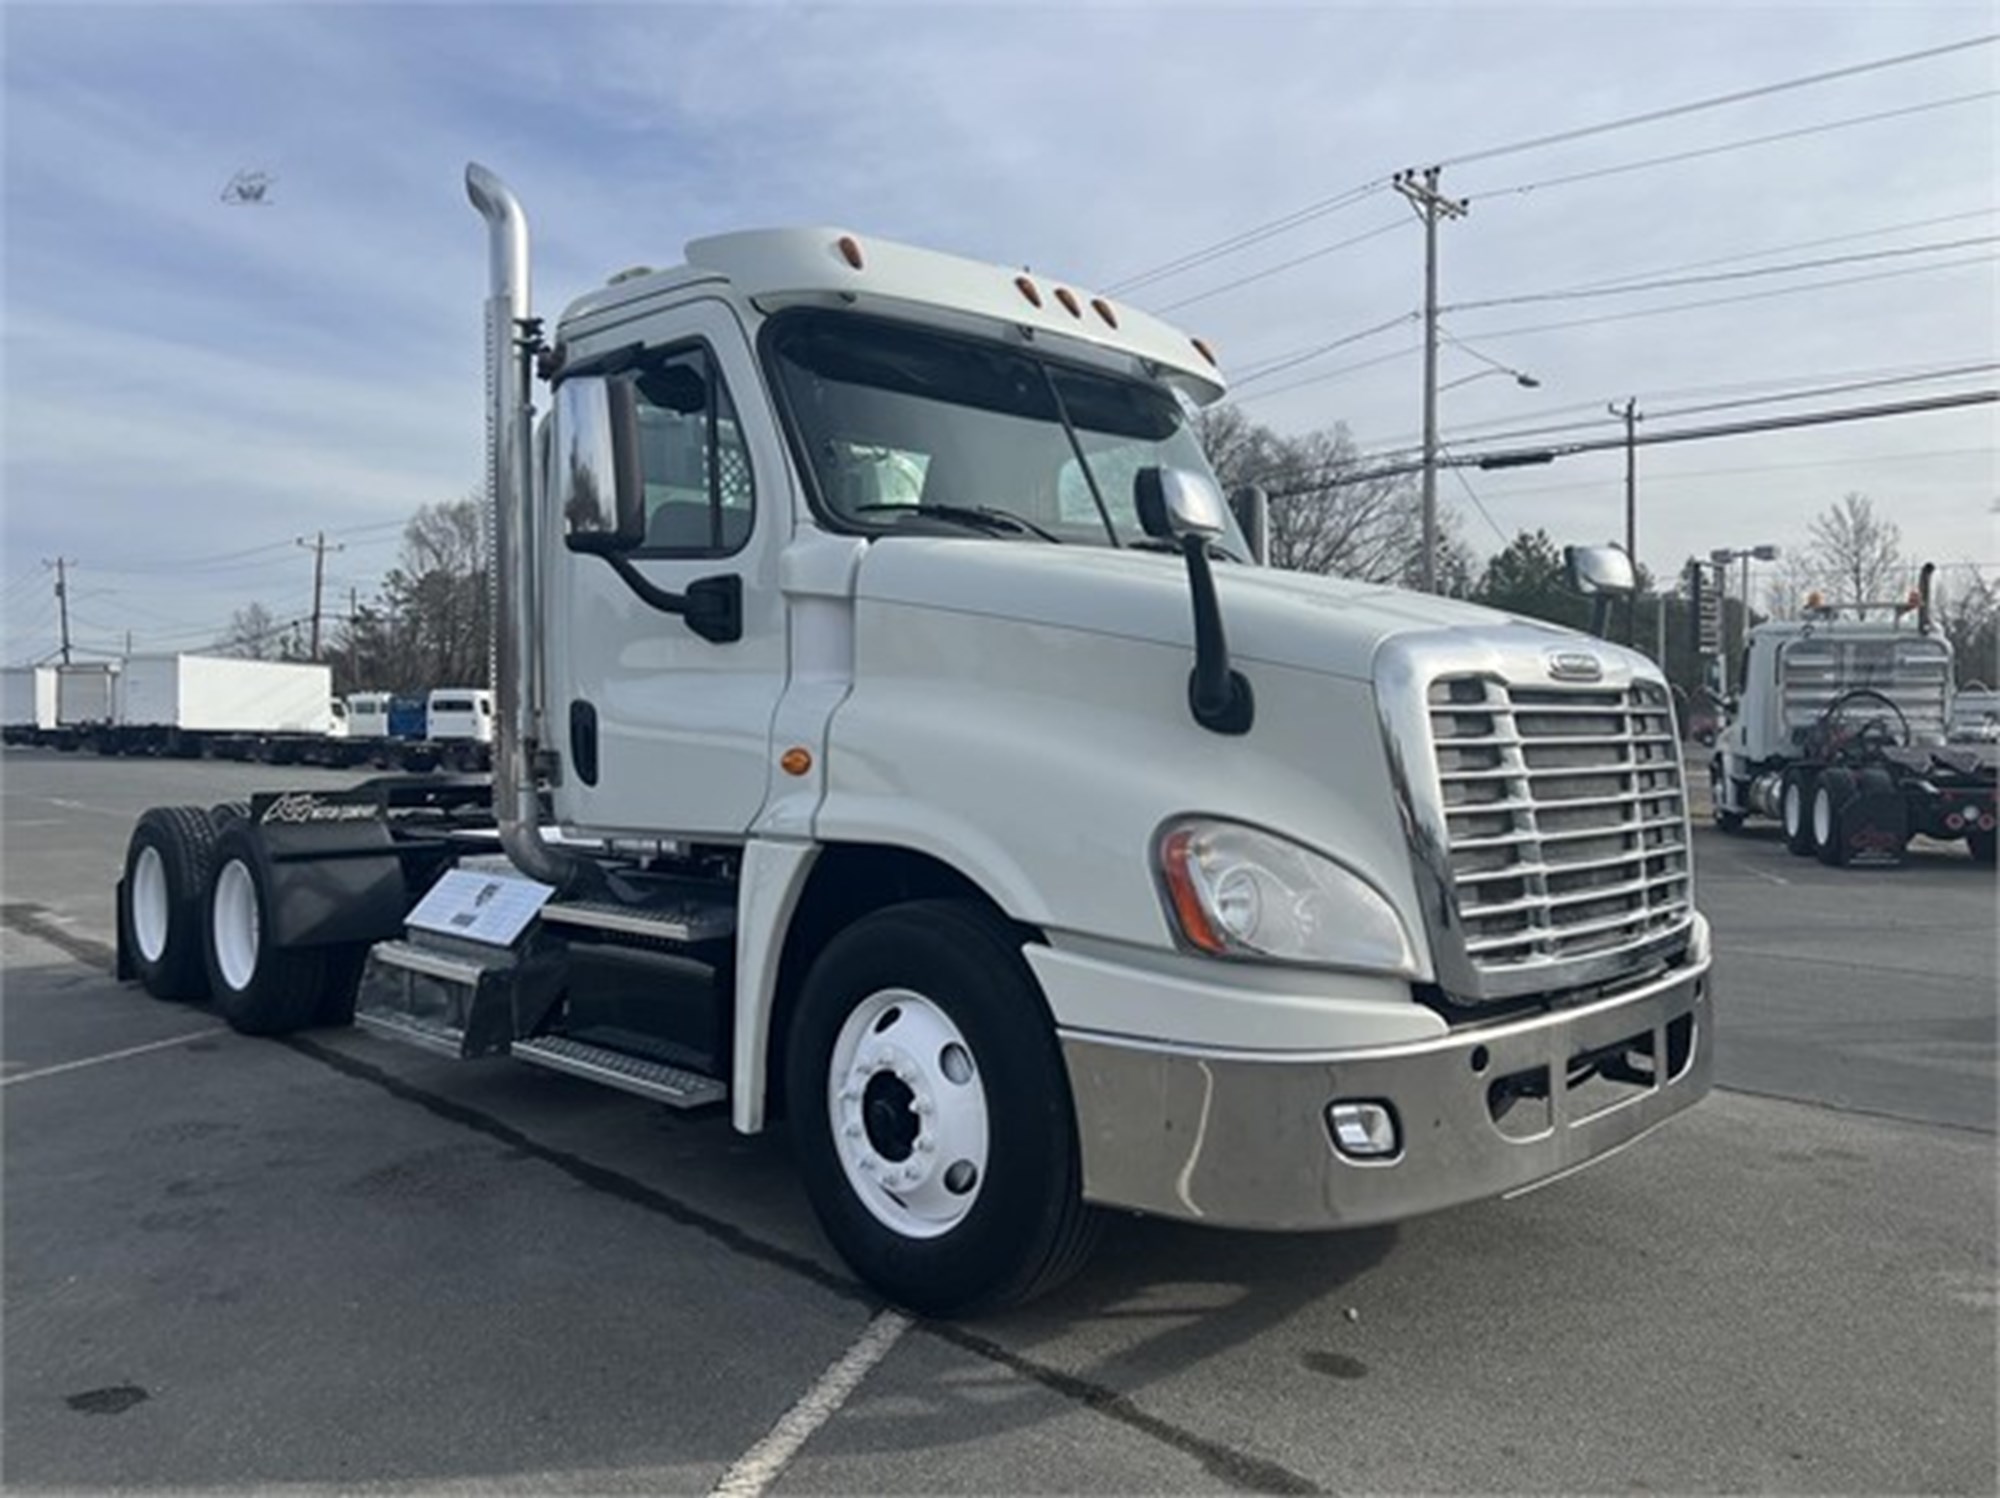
(1219, 696)
(712, 606)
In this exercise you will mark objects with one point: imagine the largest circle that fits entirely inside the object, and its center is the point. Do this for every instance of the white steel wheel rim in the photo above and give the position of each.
(236, 923)
(1823, 816)
(150, 915)
(1795, 813)
(908, 1114)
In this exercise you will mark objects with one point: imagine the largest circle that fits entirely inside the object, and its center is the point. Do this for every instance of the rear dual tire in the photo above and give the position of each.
(259, 987)
(168, 864)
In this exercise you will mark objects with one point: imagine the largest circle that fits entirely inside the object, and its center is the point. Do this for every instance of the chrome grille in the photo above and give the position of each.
(1565, 818)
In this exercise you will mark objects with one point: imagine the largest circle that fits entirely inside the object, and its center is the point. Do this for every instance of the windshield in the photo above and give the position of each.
(902, 426)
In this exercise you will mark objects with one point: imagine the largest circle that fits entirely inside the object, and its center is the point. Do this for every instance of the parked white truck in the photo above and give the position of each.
(1843, 733)
(898, 734)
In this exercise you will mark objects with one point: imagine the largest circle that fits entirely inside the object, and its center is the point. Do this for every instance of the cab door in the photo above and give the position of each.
(664, 732)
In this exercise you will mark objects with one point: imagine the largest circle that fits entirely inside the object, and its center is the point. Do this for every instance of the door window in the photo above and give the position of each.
(699, 495)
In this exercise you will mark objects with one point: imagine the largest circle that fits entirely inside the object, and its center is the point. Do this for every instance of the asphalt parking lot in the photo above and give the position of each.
(335, 1261)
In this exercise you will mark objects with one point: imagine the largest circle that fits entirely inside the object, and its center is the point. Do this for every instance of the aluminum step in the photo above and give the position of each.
(672, 1085)
(690, 922)
(440, 1040)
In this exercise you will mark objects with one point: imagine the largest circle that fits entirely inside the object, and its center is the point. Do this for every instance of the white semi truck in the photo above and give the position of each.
(898, 735)
(1843, 733)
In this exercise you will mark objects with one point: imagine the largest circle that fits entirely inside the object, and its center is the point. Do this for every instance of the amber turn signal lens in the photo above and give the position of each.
(796, 761)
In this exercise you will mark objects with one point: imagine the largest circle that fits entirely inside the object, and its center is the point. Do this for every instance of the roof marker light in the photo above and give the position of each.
(1028, 290)
(1103, 310)
(850, 251)
(1069, 301)
(1205, 351)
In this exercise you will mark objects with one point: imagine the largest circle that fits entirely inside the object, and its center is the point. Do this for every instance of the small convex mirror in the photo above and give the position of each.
(593, 465)
(1175, 503)
(1598, 569)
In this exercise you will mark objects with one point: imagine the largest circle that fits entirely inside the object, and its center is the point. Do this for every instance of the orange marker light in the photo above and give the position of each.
(1028, 290)
(1205, 351)
(1069, 301)
(1180, 889)
(1103, 310)
(850, 251)
(796, 761)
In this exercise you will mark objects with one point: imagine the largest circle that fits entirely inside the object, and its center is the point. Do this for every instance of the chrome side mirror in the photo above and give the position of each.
(1598, 569)
(1174, 504)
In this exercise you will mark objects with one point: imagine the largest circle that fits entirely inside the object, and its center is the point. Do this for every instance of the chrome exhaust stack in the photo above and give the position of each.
(516, 594)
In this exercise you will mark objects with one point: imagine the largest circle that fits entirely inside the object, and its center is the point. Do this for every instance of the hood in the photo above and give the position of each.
(1302, 620)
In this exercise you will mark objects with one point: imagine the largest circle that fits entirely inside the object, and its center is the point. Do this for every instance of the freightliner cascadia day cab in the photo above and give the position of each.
(898, 735)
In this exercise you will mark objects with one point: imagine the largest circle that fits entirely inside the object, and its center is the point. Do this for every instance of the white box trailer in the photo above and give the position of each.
(28, 697)
(84, 691)
(219, 694)
(191, 705)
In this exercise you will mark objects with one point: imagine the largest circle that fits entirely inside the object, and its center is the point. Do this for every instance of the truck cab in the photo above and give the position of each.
(897, 734)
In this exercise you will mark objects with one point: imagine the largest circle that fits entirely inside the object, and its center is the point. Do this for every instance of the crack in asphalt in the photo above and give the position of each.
(1239, 1469)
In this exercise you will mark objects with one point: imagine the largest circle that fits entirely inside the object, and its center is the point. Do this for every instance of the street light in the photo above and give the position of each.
(1524, 380)
(1722, 556)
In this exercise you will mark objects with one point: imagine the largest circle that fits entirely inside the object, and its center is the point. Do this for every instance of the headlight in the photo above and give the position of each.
(1233, 891)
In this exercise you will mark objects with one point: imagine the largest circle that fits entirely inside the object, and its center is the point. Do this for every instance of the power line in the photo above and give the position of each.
(1254, 235)
(1509, 434)
(1803, 244)
(1288, 361)
(1284, 265)
(1925, 455)
(1575, 293)
(1270, 228)
(1324, 376)
(1727, 301)
(1718, 101)
(1525, 457)
(1725, 147)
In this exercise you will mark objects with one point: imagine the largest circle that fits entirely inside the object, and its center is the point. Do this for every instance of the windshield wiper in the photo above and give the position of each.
(986, 518)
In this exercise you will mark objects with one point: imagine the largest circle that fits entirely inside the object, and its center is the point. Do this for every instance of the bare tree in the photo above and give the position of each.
(1967, 608)
(252, 634)
(1790, 582)
(1327, 515)
(1858, 555)
(435, 600)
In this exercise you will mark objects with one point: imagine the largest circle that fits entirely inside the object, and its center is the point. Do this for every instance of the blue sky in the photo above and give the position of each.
(190, 386)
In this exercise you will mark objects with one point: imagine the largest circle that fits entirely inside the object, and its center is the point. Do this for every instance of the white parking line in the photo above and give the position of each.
(759, 1467)
(136, 1050)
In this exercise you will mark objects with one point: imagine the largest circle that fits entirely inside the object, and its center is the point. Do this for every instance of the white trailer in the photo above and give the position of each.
(85, 693)
(27, 700)
(191, 705)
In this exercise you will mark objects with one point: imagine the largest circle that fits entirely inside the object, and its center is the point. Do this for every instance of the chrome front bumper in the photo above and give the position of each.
(1241, 1139)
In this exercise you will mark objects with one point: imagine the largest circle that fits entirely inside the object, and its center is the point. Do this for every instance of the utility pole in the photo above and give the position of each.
(62, 598)
(1630, 412)
(1421, 190)
(319, 549)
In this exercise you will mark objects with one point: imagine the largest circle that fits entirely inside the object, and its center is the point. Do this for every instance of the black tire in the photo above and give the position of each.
(160, 912)
(972, 1036)
(1795, 813)
(1981, 846)
(260, 989)
(1831, 794)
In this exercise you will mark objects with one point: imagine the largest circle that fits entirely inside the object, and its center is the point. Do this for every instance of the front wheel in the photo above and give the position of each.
(1725, 819)
(933, 1116)
(1794, 794)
